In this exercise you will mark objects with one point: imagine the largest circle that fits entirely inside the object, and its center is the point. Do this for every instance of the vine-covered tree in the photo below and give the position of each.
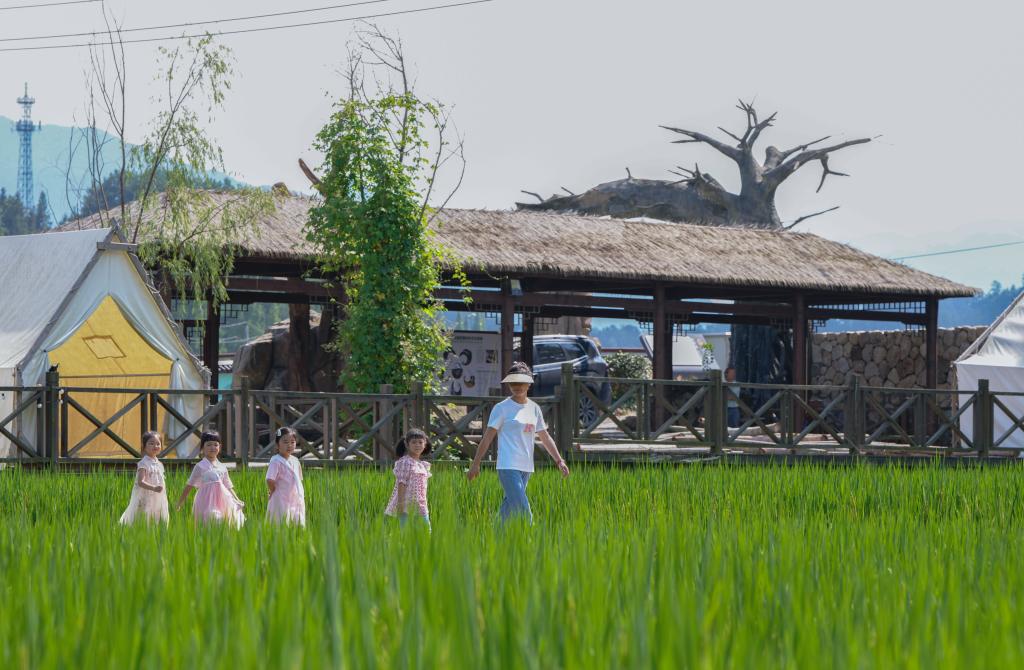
(371, 225)
(700, 198)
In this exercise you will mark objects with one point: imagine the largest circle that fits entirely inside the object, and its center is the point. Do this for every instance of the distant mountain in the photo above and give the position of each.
(50, 151)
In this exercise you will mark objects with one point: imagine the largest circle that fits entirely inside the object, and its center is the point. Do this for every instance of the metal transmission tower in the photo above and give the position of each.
(25, 127)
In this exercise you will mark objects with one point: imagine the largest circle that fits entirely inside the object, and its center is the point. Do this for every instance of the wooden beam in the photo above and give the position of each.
(931, 360)
(800, 339)
(211, 344)
(526, 341)
(508, 316)
(662, 336)
(293, 285)
(117, 246)
(249, 297)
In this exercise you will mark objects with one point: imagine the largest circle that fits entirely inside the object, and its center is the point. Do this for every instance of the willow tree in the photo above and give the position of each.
(159, 201)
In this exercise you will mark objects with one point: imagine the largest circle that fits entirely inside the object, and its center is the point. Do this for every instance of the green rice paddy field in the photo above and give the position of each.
(656, 566)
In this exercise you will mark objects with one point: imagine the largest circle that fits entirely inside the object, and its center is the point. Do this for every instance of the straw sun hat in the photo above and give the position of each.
(518, 374)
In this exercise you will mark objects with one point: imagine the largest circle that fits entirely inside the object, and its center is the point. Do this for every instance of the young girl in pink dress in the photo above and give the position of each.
(215, 497)
(149, 497)
(411, 475)
(284, 479)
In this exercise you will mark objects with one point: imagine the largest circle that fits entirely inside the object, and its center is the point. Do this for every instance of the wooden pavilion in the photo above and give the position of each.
(532, 265)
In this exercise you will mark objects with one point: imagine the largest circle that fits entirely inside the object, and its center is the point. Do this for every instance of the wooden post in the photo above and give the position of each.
(852, 430)
(931, 360)
(385, 442)
(568, 409)
(211, 344)
(662, 368)
(800, 354)
(715, 413)
(983, 428)
(526, 341)
(417, 419)
(508, 317)
(51, 409)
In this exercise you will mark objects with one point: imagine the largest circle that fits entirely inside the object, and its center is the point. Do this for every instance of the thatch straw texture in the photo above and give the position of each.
(583, 247)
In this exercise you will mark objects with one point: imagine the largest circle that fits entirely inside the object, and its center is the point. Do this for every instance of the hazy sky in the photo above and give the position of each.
(569, 93)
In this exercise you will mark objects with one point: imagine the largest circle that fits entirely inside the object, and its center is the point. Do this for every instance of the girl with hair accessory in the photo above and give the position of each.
(516, 422)
(149, 497)
(411, 475)
(216, 499)
(284, 480)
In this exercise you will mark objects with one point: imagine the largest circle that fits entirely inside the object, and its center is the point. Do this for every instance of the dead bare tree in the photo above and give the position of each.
(698, 197)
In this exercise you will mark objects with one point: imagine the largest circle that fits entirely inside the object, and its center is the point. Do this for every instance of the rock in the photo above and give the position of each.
(264, 360)
(893, 377)
(871, 370)
(843, 365)
(879, 353)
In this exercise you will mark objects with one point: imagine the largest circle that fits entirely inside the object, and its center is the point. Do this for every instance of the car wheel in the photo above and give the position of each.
(588, 411)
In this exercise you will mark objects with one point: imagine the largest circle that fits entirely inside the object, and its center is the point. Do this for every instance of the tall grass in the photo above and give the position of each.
(645, 567)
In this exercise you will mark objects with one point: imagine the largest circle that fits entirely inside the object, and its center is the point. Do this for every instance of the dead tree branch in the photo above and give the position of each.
(809, 216)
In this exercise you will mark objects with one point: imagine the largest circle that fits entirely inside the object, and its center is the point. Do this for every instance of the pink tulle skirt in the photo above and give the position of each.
(214, 502)
(287, 505)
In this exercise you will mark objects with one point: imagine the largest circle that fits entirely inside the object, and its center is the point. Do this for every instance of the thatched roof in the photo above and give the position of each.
(584, 247)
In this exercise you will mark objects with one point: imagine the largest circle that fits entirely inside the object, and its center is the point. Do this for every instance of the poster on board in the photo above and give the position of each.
(472, 363)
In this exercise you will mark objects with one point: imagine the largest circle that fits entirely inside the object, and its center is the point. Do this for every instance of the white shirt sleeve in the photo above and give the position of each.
(540, 419)
(497, 418)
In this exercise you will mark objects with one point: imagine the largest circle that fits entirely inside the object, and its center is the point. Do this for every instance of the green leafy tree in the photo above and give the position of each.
(371, 226)
(160, 200)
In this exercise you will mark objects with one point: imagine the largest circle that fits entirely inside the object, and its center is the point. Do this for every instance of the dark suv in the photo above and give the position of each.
(550, 351)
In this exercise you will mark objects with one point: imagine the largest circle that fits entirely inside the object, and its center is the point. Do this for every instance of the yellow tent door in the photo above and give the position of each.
(107, 352)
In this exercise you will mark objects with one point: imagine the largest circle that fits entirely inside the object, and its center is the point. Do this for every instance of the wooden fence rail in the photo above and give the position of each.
(65, 424)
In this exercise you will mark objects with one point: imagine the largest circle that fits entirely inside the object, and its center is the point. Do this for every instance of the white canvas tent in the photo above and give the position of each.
(77, 300)
(998, 356)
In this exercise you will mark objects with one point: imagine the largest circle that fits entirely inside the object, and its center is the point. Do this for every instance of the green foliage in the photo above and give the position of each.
(183, 232)
(644, 567)
(190, 236)
(15, 219)
(371, 229)
(625, 365)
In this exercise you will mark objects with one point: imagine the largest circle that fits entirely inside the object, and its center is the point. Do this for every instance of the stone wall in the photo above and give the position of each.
(893, 358)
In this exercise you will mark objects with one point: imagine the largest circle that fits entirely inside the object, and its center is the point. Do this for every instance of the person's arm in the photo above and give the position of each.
(272, 474)
(231, 487)
(184, 494)
(552, 449)
(401, 498)
(140, 479)
(481, 450)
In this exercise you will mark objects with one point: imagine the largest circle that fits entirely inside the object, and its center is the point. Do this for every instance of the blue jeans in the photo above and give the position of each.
(515, 502)
(733, 416)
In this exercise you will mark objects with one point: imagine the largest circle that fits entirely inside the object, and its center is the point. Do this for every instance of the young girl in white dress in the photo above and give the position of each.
(287, 502)
(149, 497)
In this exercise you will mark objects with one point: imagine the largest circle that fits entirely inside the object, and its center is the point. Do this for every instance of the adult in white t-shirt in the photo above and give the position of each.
(516, 421)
